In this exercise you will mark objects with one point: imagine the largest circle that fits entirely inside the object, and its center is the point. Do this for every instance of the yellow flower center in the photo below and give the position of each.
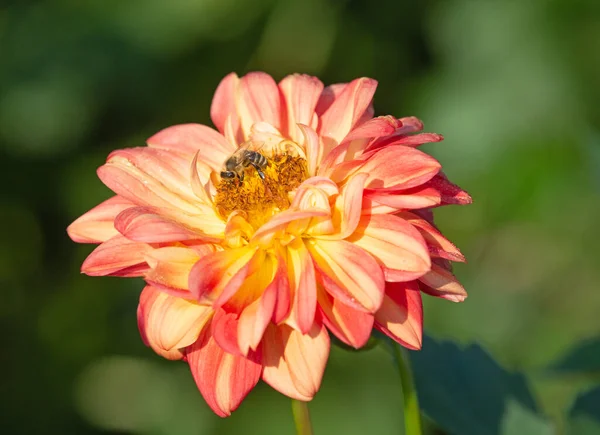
(260, 199)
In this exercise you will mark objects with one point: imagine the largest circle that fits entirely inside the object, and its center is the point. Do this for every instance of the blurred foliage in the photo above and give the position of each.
(512, 85)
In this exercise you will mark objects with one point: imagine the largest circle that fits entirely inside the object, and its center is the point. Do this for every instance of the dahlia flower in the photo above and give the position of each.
(246, 279)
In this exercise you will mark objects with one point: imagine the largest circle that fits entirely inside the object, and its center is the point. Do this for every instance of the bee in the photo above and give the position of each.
(236, 164)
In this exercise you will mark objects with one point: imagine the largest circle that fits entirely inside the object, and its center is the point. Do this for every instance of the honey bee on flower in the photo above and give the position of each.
(327, 229)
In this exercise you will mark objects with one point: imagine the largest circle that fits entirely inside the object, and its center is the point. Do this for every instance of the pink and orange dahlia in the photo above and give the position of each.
(247, 279)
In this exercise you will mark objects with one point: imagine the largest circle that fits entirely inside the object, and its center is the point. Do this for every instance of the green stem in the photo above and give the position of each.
(412, 414)
(301, 417)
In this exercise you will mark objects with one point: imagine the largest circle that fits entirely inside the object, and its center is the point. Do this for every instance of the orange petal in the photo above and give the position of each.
(347, 109)
(142, 225)
(255, 317)
(395, 243)
(278, 222)
(377, 202)
(312, 147)
(216, 277)
(97, 225)
(442, 283)
(168, 323)
(396, 167)
(401, 314)
(303, 290)
(170, 266)
(348, 208)
(117, 256)
(223, 103)
(150, 177)
(224, 329)
(224, 380)
(351, 326)
(348, 273)
(258, 100)
(450, 193)
(438, 245)
(294, 362)
(300, 95)
(191, 138)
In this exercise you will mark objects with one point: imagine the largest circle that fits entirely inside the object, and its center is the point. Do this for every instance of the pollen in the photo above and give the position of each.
(261, 199)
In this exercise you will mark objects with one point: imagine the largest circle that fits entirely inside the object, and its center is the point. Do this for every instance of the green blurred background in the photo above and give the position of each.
(513, 85)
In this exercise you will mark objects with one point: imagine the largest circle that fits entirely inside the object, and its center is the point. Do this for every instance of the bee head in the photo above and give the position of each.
(228, 174)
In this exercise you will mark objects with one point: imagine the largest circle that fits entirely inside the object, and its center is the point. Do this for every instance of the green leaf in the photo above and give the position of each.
(464, 390)
(519, 420)
(584, 358)
(584, 417)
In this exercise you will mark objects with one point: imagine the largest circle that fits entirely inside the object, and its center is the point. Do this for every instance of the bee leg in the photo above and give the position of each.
(241, 177)
(258, 170)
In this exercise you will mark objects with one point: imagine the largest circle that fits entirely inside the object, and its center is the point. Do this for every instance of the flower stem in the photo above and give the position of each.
(301, 417)
(412, 414)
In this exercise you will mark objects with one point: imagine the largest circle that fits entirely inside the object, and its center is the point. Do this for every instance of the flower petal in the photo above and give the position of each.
(97, 225)
(224, 380)
(168, 323)
(258, 100)
(351, 326)
(376, 202)
(223, 103)
(393, 168)
(150, 177)
(303, 290)
(216, 277)
(442, 283)
(300, 95)
(278, 222)
(171, 266)
(294, 362)
(142, 225)
(117, 256)
(224, 329)
(401, 314)
(191, 138)
(438, 245)
(450, 193)
(396, 244)
(312, 147)
(348, 208)
(348, 273)
(346, 110)
(255, 318)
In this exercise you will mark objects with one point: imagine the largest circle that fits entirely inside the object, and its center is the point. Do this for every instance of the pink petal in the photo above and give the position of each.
(97, 225)
(442, 283)
(224, 380)
(396, 167)
(376, 127)
(223, 103)
(150, 177)
(258, 100)
(191, 138)
(256, 317)
(303, 290)
(168, 323)
(415, 198)
(265, 233)
(409, 124)
(170, 266)
(216, 277)
(347, 109)
(294, 362)
(438, 245)
(300, 95)
(401, 314)
(312, 147)
(396, 244)
(117, 256)
(142, 225)
(348, 273)
(351, 326)
(348, 208)
(224, 329)
(450, 193)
